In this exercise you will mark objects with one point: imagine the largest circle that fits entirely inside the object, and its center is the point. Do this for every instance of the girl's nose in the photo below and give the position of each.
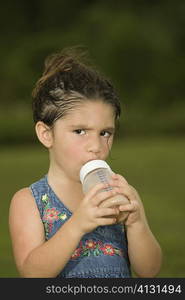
(94, 145)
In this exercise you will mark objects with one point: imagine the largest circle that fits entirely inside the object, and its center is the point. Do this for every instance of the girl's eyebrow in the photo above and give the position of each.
(83, 126)
(111, 129)
(79, 126)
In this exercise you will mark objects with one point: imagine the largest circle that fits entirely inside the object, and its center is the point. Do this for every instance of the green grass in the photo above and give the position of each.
(155, 167)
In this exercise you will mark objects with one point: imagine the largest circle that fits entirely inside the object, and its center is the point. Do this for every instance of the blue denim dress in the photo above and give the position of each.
(101, 253)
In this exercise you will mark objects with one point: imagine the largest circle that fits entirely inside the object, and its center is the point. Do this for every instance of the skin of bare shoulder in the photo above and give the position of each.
(25, 225)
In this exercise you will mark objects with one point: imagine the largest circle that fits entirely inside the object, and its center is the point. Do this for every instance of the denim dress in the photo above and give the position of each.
(101, 253)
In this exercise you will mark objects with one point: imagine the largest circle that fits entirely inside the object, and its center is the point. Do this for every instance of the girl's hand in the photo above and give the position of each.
(135, 207)
(89, 215)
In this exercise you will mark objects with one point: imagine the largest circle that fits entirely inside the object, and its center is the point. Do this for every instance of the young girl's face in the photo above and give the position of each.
(84, 134)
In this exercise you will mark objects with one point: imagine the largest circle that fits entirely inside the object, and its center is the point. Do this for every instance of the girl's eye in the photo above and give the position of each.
(79, 131)
(106, 133)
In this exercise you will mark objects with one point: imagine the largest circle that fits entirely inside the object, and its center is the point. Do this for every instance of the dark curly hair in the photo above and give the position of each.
(67, 80)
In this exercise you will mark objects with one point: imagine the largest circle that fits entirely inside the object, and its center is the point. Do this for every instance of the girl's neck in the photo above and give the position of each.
(58, 178)
(68, 190)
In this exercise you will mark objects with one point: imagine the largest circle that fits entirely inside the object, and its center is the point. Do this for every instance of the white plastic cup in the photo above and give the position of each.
(98, 171)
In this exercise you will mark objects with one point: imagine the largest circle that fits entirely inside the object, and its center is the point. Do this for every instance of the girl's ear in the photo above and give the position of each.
(44, 134)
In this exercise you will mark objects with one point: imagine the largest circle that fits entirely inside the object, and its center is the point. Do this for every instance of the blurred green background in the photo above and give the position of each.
(140, 45)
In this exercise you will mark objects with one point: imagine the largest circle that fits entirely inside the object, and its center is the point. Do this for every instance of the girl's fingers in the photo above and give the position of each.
(121, 186)
(117, 177)
(127, 191)
(95, 190)
(101, 212)
(129, 207)
(119, 183)
(103, 196)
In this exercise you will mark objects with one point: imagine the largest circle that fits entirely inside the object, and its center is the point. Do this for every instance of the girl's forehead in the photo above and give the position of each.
(90, 109)
(90, 112)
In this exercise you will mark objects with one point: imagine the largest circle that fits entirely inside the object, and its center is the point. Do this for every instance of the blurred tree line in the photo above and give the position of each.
(140, 45)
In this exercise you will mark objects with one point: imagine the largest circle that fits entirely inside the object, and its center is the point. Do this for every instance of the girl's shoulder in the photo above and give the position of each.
(21, 194)
(22, 201)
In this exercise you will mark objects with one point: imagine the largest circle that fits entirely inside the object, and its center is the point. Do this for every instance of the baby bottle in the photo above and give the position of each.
(98, 171)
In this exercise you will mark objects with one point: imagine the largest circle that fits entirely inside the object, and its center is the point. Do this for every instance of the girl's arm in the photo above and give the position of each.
(36, 257)
(144, 251)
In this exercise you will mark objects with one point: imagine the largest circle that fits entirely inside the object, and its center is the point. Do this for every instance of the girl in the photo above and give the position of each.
(55, 229)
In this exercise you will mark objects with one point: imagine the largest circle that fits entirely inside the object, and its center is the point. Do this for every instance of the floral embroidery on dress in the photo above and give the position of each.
(95, 248)
(90, 247)
(45, 198)
(50, 215)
